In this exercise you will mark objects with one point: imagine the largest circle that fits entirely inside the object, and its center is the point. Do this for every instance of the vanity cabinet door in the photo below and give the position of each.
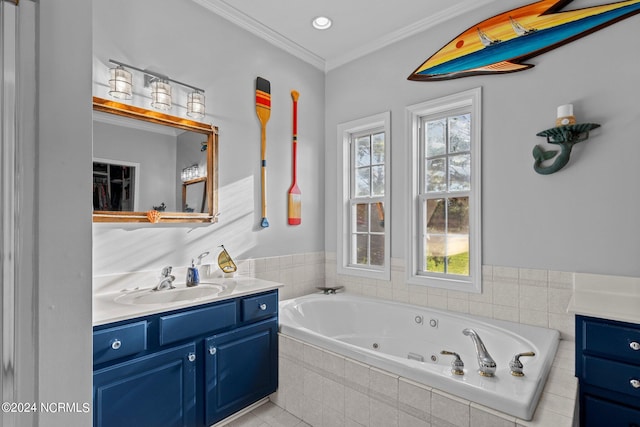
(608, 370)
(154, 390)
(241, 367)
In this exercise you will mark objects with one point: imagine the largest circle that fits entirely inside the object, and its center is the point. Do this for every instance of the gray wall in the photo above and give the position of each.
(583, 218)
(190, 44)
(63, 222)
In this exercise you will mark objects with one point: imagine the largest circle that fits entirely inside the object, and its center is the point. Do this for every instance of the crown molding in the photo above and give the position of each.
(224, 10)
(244, 21)
(403, 33)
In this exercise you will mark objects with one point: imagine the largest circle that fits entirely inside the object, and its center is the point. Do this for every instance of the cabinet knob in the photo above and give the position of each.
(635, 383)
(634, 345)
(263, 307)
(116, 344)
(212, 350)
(192, 357)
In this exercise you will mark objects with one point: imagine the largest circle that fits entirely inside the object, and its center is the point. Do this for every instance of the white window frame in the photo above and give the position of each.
(470, 101)
(346, 133)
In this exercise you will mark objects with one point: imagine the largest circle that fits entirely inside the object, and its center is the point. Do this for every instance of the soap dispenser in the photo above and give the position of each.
(193, 276)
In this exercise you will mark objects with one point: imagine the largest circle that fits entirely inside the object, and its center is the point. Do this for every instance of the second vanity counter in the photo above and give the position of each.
(607, 297)
(107, 309)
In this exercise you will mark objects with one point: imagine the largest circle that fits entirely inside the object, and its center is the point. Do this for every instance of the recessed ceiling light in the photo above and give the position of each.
(321, 23)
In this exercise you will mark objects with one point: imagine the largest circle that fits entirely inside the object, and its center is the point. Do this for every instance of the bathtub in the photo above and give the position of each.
(406, 341)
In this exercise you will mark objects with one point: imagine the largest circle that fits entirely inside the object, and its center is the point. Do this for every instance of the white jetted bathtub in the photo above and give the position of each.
(407, 341)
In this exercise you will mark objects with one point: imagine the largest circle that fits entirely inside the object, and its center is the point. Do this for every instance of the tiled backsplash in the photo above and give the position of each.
(533, 297)
(300, 273)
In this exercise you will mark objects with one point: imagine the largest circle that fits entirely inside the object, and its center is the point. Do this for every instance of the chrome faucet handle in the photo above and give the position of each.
(516, 365)
(457, 365)
(166, 279)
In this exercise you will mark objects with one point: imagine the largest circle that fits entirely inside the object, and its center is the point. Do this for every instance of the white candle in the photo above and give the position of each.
(565, 110)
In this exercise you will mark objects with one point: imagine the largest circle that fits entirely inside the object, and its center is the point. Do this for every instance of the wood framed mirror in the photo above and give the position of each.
(152, 167)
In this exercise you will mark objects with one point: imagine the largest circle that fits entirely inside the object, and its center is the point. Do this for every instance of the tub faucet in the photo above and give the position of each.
(166, 280)
(486, 364)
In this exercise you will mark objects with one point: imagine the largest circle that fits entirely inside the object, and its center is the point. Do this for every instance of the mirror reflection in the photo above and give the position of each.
(140, 166)
(115, 185)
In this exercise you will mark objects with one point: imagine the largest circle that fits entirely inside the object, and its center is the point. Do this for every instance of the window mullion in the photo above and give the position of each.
(447, 162)
(446, 235)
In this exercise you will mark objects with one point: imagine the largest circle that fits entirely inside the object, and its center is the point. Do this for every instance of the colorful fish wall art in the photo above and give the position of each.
(500, 44)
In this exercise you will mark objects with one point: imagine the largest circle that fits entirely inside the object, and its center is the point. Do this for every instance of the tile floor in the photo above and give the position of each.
(268, 415)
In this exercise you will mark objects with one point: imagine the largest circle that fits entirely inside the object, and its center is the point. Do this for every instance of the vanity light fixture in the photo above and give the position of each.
(321, 23)
(120, 82)
(160, 94)
(120, 87)
(195, 104)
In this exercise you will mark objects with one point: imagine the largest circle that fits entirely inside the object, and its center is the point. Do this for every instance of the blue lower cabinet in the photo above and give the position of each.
(601, 413)
(608, 371)
(154, 390)
(241, 367)
(190, 367)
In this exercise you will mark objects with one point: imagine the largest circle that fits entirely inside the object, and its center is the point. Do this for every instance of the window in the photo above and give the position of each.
(445, 244)
(363, 190)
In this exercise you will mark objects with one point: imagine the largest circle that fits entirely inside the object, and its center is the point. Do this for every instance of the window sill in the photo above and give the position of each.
(450, 284)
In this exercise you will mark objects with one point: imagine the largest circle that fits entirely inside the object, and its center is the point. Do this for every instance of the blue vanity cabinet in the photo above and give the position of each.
(154, 390)
(240, 368)
(190, 367)
(608, 370)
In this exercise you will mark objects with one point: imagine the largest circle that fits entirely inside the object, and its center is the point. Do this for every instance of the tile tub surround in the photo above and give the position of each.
(529, 296)
(326, 389)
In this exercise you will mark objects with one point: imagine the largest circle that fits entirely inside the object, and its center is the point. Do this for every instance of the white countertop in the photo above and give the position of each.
(107, 310)
(608, 297)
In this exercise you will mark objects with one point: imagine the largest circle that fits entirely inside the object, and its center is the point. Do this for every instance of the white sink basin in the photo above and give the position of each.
(178, 294)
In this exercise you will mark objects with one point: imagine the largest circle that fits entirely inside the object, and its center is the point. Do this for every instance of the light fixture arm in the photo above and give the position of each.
(155, 75)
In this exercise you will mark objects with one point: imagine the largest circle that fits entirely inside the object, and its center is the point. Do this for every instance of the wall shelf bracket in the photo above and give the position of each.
(564, 136)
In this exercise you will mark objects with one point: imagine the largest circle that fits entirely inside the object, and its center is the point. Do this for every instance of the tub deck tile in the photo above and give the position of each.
(481, 416)
(357, 406)
(312, 412)
(313, 357)
(381, 414)
(312, 386)
(408, 420)
(414, 399)
(333, 364)
(333, 395)
(383, 386)
(331, 418)
(449, 408)
(356, 375)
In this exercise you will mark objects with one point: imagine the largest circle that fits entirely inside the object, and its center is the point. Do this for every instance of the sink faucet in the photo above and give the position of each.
(486, 364)
(166, 279)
